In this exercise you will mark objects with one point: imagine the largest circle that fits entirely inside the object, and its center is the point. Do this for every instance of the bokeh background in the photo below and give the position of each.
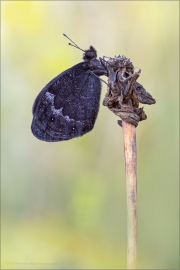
(64, 204)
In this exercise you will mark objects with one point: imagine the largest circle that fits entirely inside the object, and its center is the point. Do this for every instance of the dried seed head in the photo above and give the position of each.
(124, 93)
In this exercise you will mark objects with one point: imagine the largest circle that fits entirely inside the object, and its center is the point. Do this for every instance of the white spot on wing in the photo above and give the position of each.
(57, 111)
(67, 118)
(50, 97)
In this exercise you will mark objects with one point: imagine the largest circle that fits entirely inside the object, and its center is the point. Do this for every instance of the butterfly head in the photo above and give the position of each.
(90, 54)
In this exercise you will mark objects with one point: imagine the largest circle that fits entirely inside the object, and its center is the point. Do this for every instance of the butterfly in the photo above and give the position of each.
(68, 105)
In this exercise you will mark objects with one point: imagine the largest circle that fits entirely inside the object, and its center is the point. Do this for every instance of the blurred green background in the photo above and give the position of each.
(64, 204)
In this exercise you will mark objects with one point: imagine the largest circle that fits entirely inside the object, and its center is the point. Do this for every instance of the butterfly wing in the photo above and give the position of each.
(67, 107)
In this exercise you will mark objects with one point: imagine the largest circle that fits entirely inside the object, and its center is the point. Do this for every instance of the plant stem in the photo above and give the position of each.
(130, 152)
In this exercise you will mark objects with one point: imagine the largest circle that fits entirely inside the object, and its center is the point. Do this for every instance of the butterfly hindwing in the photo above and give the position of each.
(67, 107)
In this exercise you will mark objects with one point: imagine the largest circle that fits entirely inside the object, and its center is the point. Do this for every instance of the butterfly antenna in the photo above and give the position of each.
(75, 45)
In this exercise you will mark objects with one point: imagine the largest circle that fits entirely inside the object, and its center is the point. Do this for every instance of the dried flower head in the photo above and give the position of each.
(124, 92)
